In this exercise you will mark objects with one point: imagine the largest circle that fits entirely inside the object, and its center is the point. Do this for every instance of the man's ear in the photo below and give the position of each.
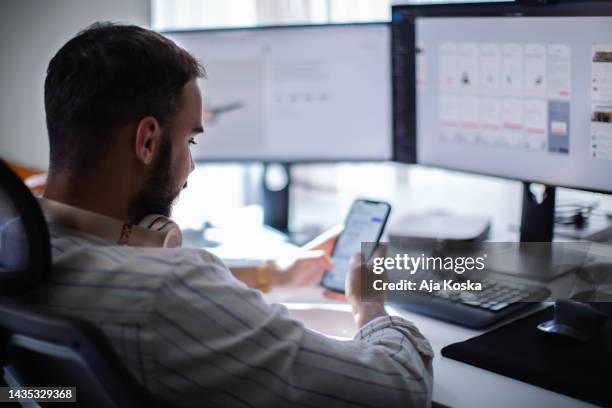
(147, 140)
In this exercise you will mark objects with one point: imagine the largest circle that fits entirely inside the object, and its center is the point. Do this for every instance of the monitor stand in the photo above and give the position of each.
(537, 218)
(534, 257)
(276, 183)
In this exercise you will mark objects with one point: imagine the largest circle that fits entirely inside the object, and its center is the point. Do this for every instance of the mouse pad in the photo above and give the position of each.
(520, 351)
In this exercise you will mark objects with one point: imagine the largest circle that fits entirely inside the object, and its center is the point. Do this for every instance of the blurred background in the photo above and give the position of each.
(229, 193)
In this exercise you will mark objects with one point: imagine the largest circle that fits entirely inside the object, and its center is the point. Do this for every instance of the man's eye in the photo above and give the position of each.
(192, 141)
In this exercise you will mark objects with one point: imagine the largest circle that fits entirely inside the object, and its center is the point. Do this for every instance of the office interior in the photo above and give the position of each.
(278, 170)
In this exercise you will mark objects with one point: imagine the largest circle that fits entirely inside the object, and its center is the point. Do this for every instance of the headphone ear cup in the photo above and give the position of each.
(172, 236)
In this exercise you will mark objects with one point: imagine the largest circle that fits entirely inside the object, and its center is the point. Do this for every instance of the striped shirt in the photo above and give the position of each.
(194, 335)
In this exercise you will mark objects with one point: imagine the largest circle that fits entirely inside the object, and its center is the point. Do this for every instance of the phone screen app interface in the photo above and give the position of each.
(363, 225)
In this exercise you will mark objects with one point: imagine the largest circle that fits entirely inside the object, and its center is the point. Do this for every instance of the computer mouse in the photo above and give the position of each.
(574, 320)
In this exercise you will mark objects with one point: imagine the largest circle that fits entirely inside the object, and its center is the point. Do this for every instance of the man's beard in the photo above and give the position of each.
(158, 194)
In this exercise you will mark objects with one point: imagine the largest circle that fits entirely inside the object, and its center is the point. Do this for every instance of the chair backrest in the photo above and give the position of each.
(25, 251)
(38, 348)
(53, 351)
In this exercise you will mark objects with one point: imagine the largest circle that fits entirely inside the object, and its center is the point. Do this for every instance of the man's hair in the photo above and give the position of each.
(106, 77)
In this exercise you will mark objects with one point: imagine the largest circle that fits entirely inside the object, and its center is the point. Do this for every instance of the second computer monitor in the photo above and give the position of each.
(507, 90)
(305, 93)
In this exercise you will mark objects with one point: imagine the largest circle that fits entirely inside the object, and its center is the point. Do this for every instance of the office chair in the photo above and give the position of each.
(38, 348)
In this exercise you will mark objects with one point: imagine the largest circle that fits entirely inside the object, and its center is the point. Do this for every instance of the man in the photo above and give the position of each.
(123, 108)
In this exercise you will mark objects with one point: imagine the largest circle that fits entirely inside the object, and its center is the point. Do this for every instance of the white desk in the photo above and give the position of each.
(455, 384)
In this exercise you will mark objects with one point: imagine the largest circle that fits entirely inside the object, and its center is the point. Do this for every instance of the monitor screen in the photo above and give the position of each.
(507, 90)
(302, 93)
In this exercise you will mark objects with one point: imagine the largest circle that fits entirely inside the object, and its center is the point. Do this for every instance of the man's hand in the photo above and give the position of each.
(326, 241)
(307, 270)
(363, 311)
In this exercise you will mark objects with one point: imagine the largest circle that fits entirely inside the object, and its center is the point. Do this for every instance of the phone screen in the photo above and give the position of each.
(365, 223)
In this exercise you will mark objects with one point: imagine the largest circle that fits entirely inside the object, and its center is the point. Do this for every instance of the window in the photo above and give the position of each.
(172, 14)
(169, 14)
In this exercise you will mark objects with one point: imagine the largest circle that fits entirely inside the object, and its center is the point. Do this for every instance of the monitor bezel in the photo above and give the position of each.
(286, 159)
(577, 8)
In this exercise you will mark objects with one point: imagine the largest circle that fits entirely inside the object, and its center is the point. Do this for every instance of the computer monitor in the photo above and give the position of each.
(294, 93)
(507, 89)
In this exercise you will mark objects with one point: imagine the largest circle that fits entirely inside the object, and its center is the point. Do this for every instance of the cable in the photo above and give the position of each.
(576, 214)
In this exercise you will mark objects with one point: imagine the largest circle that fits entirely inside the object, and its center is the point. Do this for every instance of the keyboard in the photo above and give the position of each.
(495, 296)
(496, 301)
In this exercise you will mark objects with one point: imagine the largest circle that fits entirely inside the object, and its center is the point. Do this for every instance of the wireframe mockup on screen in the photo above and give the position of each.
(507, 90)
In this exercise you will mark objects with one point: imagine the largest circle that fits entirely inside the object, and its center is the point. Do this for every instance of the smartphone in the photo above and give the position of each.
(365, 222)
